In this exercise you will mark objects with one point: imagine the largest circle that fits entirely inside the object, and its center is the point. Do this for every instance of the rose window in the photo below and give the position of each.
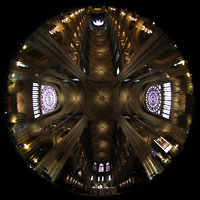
(48, 99)
(153, 99)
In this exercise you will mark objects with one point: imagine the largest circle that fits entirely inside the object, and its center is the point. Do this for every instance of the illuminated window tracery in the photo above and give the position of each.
(167, 100)
(35, 100)
(48, 99)
(153, 99)
(98, 22)
(101, 167)
(158, 99)
(44, 99)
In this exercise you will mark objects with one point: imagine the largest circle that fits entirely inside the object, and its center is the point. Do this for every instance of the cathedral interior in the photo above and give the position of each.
(99, 100)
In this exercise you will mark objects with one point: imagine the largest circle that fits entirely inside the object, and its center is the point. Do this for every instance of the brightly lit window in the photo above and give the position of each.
(167, 93)
(44, 98)
(101, 167)
(117, 71)
(35, 100)
(100, 186)
(48, 99)
(92, 178)
(75, 79)
(98, 22)
(153, 99)
(84, 70)
(127, 80)
(107, 167)
(20, 64)
(159, 98)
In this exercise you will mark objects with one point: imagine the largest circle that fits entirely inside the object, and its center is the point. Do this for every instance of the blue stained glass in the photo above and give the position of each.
(101, 167)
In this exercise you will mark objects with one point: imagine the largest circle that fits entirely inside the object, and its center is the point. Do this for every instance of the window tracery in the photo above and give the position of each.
(159, 98)
(48, 99)
(35, 100)
(98, 22)
(153, 99)
(44, 99)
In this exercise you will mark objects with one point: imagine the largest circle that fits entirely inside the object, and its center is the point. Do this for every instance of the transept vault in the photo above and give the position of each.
(99, 100)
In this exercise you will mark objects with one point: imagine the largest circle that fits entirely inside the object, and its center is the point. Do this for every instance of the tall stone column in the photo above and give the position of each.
(55, 159)
(155, 46)
(174, 131)
(43, 41)
(44, 135)
(142, 150)
(34, 126)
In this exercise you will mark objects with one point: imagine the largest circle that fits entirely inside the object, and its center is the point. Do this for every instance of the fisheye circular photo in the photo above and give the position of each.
(99, 100)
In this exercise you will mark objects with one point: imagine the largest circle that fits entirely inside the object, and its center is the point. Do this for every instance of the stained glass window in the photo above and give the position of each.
(167, 100)
(35, 100)
(95, 167)
(48, 99)
(101, 167)
(107, 167)
(153, 99)
(159, 98)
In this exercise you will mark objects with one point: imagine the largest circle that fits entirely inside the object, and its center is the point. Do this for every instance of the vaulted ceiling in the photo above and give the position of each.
(78, 59)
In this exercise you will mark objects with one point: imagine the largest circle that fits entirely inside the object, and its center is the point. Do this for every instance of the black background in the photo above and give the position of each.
(179, 20)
